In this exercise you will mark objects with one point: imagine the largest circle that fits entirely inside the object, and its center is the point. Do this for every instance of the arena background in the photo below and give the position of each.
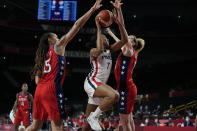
(168, 61)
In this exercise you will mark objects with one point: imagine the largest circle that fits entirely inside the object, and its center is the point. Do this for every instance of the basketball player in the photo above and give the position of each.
(123, 73)
(23, 107)
(49, 72)
(101, 96)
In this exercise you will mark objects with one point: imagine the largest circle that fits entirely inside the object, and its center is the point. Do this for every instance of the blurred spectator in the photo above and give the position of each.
(80, 122)
(170, 123)
(105, 124)
(112, 123)
(156, 122)
(139, 99)
(68, 124)
(189, 113)
(147, 123)
(171, 106)
(188, 122)
(139, 113)
(157, 111)
(171, 114)
(145, 99)
(81, 115)
(146, 113)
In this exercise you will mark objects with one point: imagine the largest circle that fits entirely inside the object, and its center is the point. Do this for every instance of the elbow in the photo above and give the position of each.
(37, 79)
(36, 82)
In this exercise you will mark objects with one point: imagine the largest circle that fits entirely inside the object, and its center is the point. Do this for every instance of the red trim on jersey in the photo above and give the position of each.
(132, 63)
(132, 90)
(117, 71)
(97, 83)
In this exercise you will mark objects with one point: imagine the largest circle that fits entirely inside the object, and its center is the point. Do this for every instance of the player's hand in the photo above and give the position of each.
(117, 4)
(108, 30)
(97, 4)
(97, 19)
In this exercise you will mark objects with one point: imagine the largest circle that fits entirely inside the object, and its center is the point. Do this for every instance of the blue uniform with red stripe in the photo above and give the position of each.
(125, 85)
(49, 97)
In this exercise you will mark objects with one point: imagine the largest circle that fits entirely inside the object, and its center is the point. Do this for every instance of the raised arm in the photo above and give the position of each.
(108, 30)
(117, 4)
(124, 37)
(99, 44)
(95, 52)
(79, 24)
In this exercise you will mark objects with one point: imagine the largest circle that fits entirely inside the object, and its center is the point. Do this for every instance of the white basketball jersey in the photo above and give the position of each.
(101, 67)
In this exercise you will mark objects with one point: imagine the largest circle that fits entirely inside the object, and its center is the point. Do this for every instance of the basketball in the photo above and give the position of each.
(107, 18)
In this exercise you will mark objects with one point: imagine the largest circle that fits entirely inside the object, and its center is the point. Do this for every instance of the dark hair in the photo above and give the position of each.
(41, 53)
(24, 83)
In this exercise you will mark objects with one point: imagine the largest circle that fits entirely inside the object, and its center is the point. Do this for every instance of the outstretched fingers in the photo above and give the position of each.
(97, 4)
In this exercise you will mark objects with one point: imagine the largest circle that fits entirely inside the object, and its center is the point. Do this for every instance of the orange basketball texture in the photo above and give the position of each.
(107, 17)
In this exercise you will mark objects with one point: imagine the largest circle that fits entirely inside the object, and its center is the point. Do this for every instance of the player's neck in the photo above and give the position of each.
(23, 92)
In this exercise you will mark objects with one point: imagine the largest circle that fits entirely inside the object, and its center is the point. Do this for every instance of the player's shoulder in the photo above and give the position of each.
(29, 94)
(17, 94)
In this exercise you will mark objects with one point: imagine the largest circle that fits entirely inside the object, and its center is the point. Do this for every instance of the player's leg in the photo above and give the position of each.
(132, 122)
(54, 106)
(27, 118)
(39, 113)
(90, 108)
(17, 119)
(56, 125)
(109, 94)
(120, 128)
(35, 126)
(16, 127)
(109, 97)
(132, 92)
(125, 121)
